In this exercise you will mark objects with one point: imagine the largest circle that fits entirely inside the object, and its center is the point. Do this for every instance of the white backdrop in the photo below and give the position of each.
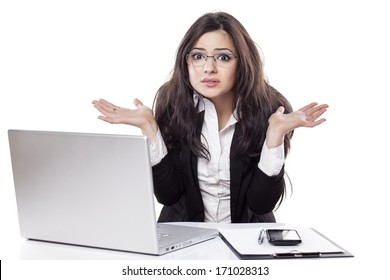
(57, 56)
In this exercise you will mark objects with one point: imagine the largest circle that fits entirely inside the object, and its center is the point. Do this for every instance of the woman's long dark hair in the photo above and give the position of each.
(255, 100)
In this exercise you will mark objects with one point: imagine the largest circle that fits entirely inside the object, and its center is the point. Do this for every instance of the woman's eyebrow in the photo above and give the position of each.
(199, 49)
(223, 49)
(216, 49)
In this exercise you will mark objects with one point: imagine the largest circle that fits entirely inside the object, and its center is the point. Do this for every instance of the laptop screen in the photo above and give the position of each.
(82, 188)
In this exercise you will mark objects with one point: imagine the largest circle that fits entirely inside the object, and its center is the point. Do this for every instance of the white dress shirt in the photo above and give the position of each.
(214, 174)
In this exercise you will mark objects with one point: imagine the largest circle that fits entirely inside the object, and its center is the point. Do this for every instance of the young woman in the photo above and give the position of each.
(220, 133)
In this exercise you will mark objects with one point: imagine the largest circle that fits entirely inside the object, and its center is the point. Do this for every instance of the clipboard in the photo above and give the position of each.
(243, 242)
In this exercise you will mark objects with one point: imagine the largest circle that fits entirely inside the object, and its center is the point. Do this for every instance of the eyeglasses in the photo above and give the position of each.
(199, 59)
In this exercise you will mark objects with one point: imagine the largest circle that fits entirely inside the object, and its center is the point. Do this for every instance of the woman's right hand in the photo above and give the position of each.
(141, 117)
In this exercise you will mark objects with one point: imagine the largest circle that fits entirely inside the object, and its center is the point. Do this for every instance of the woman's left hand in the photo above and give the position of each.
(280, 124)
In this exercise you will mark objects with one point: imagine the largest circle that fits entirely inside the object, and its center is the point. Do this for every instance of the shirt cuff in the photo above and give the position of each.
(157, 149)
(271, 160)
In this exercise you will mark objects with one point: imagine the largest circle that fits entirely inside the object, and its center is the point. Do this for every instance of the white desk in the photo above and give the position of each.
(214, 249)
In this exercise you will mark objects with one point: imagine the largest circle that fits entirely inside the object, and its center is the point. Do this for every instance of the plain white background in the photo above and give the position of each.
(57, 56)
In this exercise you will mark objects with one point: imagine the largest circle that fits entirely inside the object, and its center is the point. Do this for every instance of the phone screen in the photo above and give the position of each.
(283, 237)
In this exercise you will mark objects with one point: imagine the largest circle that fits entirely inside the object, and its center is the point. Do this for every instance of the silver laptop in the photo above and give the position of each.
(91, 190)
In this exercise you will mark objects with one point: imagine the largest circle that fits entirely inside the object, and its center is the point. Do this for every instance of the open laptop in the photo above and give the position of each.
(92, 190)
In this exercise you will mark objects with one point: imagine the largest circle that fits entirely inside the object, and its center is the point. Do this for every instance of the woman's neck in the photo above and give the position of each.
(224, 107)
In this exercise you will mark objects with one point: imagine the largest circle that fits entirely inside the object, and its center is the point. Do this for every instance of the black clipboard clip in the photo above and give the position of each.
(297, 254)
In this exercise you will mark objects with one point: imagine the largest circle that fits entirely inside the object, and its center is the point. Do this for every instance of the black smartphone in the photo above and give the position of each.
(283, 237)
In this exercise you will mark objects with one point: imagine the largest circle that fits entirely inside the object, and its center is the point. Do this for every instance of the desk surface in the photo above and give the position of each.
(214, 249)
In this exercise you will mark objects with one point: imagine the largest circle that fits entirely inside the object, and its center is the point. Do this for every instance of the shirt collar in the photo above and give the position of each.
(203, 103)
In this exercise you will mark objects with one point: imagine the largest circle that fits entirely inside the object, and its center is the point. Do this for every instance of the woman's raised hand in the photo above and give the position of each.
(280, 124)
(141, 117)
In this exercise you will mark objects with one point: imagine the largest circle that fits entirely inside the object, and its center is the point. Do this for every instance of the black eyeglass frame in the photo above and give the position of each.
(188, 56)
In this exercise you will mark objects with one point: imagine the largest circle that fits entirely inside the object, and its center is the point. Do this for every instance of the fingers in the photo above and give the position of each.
(104, 106)
(319, 112)
(313, 107)
(109, 107)
(313, 112)
(312, 119)
(106, 103)
(106, 116)
(114, 114)
(308, 106)
(316, 112)
(103, 118)
(315, 123)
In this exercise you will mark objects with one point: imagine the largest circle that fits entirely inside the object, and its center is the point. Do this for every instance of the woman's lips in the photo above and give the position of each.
(210, 82)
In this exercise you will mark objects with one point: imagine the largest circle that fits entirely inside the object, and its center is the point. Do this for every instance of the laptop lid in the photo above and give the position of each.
(84, 189)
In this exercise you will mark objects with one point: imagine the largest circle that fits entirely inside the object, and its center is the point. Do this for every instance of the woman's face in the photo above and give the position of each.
(214, 77)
